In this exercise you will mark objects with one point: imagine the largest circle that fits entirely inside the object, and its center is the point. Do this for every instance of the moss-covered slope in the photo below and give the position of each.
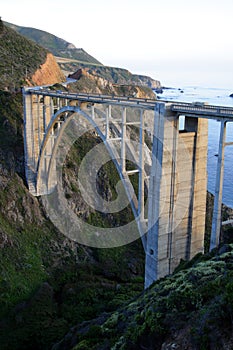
(192, 309)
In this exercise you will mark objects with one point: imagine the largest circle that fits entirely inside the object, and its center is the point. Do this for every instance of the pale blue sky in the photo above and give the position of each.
(182, 42)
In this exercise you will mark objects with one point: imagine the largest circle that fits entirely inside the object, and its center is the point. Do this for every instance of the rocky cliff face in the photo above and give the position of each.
(89, 81)
(48, 73)
(113, 75)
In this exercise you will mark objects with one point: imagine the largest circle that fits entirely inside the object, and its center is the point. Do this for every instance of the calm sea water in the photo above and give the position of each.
(213, 96)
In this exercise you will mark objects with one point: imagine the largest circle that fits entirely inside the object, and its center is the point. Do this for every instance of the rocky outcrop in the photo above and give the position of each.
(114, 75)
(48, 73)
(90, 81)
(148, 81)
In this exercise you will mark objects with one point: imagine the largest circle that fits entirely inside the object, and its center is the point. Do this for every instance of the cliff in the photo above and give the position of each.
(48, 73)
(113, 75)
(90, 81)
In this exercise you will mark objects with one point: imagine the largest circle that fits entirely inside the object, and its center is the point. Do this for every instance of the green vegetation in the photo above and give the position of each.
(11, 122)
(48, 283)
(197, 298)
(107, 180)
(19, 59)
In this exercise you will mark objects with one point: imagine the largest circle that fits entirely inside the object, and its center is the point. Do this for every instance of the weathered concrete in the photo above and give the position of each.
(177, 193)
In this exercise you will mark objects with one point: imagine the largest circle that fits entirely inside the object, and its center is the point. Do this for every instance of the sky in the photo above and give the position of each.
(178, 42)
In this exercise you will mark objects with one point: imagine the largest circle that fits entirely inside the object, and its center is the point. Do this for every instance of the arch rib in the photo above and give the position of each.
(49, 186)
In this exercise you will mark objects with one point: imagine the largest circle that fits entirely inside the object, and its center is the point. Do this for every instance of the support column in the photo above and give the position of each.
(216, 221)
(44, 115)
(151, 265)
(162, 196)
(51, 106)
(141, 168)
(123, 137)
(108, 116)
(38, 119)
(171, 251)
(93, 112)
(29, 142)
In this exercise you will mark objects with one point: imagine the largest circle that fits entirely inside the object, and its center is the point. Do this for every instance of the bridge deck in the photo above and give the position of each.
(190, 109)
(203, 110)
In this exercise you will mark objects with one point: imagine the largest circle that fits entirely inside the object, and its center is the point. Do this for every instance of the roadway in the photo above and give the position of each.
(199, 109)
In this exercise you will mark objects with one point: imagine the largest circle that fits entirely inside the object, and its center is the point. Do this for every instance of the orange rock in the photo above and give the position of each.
(48, 73)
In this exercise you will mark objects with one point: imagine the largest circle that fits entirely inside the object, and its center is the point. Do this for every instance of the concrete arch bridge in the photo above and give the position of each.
(170, 166)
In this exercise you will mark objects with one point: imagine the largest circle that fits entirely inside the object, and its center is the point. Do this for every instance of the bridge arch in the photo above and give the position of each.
(50, 132)
(45, 180)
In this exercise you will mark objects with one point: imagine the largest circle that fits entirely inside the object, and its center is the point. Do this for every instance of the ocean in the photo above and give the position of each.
(213, 96)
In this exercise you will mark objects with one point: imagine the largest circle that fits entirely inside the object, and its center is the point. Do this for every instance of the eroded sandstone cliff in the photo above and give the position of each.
(48, 73)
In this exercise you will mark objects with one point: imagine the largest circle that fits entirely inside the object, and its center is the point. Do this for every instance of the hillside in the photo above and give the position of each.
(57, 46)
(113, 75)
(22, 62)
(70, 59)
(47, 282)
(190, 310)
(19, 59)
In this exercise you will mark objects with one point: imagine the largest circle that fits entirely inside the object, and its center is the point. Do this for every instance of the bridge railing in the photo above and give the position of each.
(205, 110)
(95, 98)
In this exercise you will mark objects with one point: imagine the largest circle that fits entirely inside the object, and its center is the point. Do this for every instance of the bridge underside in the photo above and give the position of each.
(171, 222)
